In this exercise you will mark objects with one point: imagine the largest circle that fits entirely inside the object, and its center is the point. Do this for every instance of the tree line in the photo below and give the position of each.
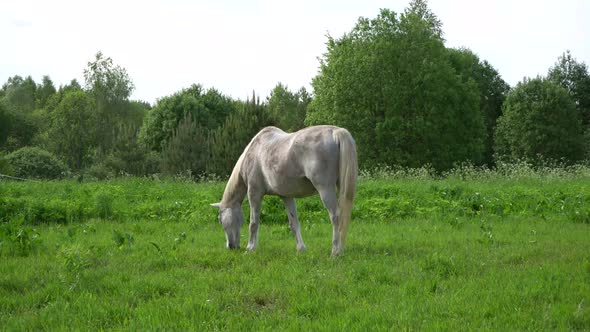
(407, 99)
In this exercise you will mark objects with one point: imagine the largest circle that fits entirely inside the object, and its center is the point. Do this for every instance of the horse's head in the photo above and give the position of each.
(231, 219)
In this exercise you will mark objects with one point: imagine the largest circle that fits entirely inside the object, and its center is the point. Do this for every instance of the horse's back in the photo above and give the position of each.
(290, 164)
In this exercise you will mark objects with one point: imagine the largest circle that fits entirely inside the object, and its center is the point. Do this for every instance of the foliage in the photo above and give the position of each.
(539, 120)
(33, 162)
(20, 93)
(411, 104)
(287, 109)
(492, 92)
(110, 87)
(56, 98)
(19, 100)
(134, 113)
(44, 92)
(72, 128)
(197, 150)
(389, 81)
(207, 109)
(99, 171)
(109, 83)
(574, 77)
(16, 127)
(229, 141)
(5, 167)
(188, 150)
(129, 156)
(5, 123)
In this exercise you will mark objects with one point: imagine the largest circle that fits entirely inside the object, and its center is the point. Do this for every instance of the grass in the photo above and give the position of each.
(495, 253)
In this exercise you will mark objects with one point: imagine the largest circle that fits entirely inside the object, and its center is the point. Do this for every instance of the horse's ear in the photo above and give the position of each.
(217, 205)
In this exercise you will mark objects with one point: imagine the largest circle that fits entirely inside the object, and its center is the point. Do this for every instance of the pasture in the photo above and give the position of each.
(492, 252)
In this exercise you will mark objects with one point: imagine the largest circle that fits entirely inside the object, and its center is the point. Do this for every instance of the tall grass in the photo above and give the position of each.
(466, 189)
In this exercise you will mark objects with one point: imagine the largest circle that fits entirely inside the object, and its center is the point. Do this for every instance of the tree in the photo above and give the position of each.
(228, 142)
(45, 91)
(106, 82)
(287, 108)
(129, 155)
(389, 81)
(187, 150)
(5, 123)
(72, 128)
(18, 104)
(492, 92)
(539, 120)
(574, 77)
(16, 127)
(110, 86)
(133, 114)
(73, 85)
(57, 97)
(20, 93)
(42, 117)
(208, 109)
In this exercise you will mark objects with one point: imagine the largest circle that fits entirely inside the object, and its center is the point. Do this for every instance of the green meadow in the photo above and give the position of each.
(463, 252)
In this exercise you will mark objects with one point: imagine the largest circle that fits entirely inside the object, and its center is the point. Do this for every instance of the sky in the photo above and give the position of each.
(239, 47)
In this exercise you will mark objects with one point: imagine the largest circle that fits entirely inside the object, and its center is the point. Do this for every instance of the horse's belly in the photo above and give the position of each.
(290, 187)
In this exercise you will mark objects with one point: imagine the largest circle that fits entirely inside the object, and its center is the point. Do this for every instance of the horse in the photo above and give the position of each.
(317, 159)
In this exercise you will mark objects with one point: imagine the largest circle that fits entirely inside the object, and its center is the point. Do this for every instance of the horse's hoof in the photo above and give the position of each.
(301, 248)
(336, 253)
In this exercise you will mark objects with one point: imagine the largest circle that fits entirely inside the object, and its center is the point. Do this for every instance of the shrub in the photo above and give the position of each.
(33, 162)
(5, 166)
(75, 260)
(113, 166)
(104, 204)
(99, 171)
(17, 239)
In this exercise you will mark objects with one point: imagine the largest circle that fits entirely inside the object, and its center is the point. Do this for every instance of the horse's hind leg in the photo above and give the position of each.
(328, 196)
(294, 221)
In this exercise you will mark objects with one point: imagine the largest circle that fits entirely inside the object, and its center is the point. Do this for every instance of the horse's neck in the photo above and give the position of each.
(234, 195)
(235, 190)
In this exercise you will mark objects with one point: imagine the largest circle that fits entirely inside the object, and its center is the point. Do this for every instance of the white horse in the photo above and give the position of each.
(312, 160)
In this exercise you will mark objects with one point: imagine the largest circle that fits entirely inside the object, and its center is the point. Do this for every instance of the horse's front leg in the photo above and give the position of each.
(294, 221)
(255, 203)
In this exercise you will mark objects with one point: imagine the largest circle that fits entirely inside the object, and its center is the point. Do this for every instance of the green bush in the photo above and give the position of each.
(99, 171)
(5, 166)
(33, 162)
(113, 166)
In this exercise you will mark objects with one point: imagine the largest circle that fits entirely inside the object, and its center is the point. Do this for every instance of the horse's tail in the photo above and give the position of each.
(348, 170)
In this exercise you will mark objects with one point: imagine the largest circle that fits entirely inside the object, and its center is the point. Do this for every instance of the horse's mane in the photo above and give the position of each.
(234, 180)
(236, 186)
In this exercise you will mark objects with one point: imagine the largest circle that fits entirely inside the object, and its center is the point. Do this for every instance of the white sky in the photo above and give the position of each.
(240, 46)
